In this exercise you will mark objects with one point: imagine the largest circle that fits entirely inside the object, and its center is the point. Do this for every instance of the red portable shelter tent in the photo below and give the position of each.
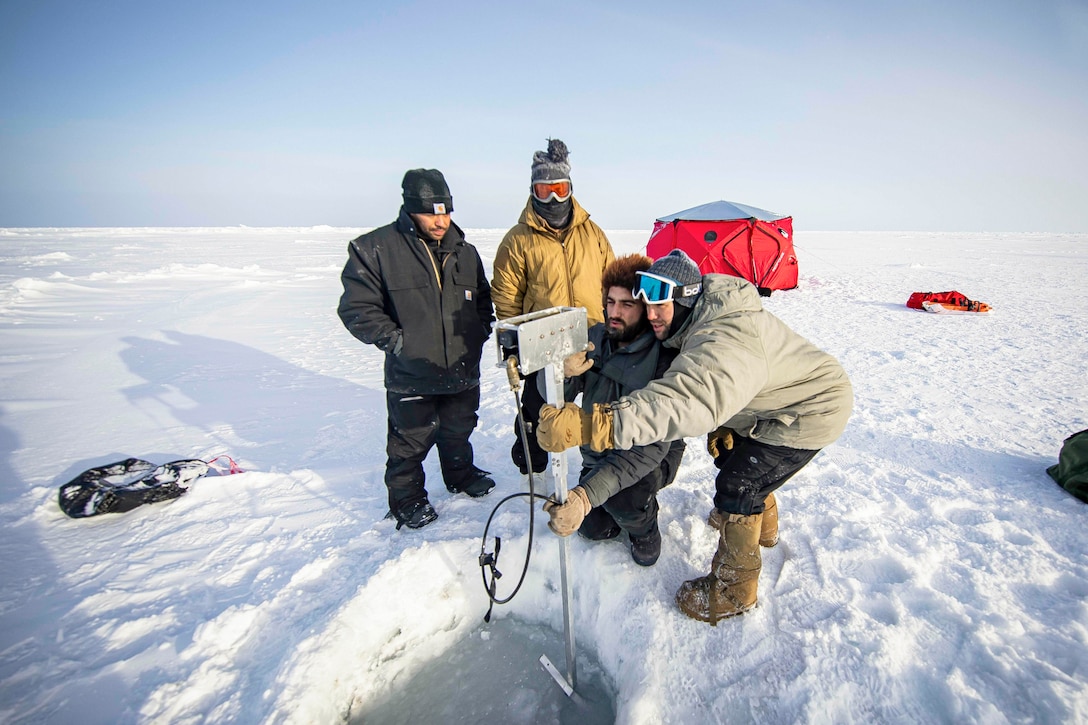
(734, 239)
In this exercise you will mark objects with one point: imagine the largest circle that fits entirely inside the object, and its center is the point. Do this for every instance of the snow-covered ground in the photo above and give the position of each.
(929, 569)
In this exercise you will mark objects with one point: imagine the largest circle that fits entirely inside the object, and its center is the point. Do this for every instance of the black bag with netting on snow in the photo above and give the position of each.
(124, 485)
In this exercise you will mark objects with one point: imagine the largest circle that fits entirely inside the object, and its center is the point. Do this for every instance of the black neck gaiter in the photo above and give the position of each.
(556, 213)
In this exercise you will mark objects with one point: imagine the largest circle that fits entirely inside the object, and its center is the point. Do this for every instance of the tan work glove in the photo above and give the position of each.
(576, 364)
(568, 516)
(559, 430)
(600, 434)
(719, 442)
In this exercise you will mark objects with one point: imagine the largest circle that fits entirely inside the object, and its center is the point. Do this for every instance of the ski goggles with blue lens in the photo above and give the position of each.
(655, 290)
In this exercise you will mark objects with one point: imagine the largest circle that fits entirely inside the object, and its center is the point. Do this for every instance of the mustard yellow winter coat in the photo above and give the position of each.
(537, 267)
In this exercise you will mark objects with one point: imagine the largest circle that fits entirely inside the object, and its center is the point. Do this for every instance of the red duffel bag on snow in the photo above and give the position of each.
(945, 302)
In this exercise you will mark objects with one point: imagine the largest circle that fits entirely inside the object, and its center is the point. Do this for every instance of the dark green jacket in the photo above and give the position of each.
(617, 372)
(1071, 471)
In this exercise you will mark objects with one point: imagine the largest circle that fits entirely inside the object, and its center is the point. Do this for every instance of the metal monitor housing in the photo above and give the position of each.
(542, 338)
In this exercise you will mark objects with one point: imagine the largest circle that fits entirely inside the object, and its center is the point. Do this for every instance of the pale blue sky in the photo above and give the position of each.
(945, 116)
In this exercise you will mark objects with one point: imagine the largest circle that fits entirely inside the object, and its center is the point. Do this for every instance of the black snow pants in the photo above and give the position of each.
(752, 470)
(633, 509)
(531, 402)
(418, 422)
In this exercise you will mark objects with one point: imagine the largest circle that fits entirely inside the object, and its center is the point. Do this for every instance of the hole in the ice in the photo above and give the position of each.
(494, 675)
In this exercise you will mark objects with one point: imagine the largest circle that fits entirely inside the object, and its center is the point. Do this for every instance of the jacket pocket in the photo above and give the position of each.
(400, 278)
(408, 305)
(469, 323)
(465, 278)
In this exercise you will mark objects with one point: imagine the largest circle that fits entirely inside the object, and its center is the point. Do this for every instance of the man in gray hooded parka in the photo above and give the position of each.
(769, 399)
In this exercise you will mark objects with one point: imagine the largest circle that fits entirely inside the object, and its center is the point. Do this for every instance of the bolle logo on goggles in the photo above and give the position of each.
(690, 290)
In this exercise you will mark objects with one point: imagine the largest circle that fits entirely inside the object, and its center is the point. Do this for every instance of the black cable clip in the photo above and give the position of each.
(491, 561)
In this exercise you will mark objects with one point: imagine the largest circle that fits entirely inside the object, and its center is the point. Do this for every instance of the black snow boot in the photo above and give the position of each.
(415, 515)
(477, 484)
(646, 550)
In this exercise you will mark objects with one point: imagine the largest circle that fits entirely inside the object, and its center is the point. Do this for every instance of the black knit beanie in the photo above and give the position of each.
(426, 192)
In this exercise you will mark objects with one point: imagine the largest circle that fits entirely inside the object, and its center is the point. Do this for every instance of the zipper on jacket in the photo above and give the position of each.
(434, 264)
(562, 242)
(570, 279)
(441, 297)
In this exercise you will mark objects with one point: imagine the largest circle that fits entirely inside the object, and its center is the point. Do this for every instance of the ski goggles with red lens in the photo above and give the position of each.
(548, 190)
(655, 290)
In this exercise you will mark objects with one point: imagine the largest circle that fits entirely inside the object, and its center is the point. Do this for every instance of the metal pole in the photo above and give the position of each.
(543, 339)
(554, 395)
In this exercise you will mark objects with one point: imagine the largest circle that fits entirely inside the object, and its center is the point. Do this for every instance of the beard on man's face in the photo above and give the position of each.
(626, 333)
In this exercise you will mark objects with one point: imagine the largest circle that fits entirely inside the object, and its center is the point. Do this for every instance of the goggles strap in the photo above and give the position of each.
(688, 290)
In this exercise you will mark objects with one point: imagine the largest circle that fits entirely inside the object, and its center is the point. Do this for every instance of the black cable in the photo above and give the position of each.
(488, 560)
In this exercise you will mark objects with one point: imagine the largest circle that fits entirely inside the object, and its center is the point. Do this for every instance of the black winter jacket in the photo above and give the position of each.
(617, 372)
(430, 314)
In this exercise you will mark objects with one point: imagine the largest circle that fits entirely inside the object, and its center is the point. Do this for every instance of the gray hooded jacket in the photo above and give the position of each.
(739, 366)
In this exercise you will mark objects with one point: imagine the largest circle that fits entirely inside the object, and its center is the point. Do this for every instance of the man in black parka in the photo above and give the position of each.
(417, 290)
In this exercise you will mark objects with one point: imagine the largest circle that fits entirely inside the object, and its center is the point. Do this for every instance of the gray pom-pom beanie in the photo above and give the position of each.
(551, 165)
(680, 268)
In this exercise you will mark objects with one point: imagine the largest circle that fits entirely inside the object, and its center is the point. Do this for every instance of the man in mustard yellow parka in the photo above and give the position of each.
(553, 257)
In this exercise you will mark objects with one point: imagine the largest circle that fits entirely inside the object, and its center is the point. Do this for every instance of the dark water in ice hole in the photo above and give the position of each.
(494, 675)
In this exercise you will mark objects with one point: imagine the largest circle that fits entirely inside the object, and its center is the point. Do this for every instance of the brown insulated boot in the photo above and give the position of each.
(730, 587)
(768, 532)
